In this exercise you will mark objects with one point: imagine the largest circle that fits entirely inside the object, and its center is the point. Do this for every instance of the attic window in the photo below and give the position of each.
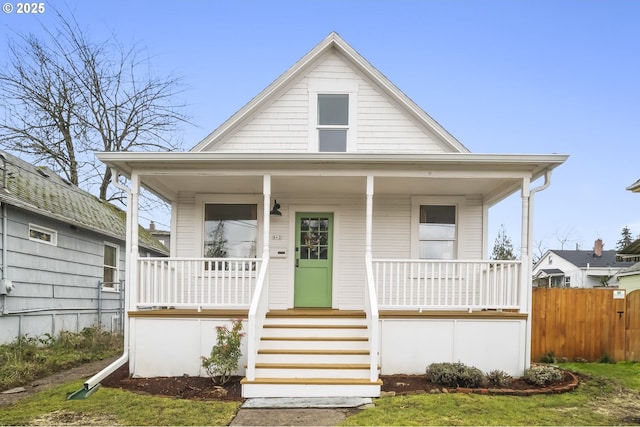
(333, 122)
(43, 235)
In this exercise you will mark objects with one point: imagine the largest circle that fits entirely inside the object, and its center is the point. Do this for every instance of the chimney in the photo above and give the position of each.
(152, 226)
(597, 248)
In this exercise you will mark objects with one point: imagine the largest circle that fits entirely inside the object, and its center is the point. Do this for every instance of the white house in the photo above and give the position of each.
(345, 225)
(579, 268)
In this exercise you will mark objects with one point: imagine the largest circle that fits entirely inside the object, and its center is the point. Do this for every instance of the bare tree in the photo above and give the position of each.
(66, 97)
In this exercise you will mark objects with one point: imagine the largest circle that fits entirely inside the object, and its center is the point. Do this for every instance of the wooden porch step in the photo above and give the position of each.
(316, 312)
(314, 339)
(312, 366)
(311, 326)
(315, 352)
(318, 381)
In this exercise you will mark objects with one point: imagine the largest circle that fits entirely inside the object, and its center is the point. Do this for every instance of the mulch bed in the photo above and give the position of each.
(201, 388)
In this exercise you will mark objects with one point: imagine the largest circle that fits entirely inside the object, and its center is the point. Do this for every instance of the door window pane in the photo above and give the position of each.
(314, 238)
(230, 230)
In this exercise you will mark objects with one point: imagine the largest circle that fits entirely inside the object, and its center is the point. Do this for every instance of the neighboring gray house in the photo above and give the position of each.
(62, 254)
(578, 269)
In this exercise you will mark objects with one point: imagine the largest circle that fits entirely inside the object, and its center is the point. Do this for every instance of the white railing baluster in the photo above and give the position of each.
(447, 285)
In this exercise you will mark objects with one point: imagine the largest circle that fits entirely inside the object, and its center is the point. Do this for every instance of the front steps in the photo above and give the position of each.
(313, 353)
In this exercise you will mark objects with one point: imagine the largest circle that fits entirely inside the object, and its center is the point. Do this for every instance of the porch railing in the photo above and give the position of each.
(371, 310)
(257, 315)
(197, 282)
(447, 285)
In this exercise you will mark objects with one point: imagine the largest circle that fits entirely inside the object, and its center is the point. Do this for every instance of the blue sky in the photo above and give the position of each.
(533, 77)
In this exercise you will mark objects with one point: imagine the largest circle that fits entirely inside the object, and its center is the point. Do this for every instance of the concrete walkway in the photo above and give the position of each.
(327, 411)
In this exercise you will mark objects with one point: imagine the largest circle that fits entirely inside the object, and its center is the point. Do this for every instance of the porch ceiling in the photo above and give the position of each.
(493, 176)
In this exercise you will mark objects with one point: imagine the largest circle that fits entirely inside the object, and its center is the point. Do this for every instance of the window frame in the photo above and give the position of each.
(416, 202)
(44, 230)
(113, 286)
(203, 200)
(334, 88)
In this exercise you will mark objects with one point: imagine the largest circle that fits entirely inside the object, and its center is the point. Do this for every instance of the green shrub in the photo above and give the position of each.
(543, 375)
(498, 379)
(455, 375)
(225, 354)
(605, 358)
(550, 357)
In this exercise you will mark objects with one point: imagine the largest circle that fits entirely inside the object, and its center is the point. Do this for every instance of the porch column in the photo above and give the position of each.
(133, 244)
(368, 241)
(525, 259)
(266, 219)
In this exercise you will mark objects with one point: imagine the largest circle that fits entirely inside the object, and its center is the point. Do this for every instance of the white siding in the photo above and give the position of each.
(391, 238)
(283, 125)
(187, 228)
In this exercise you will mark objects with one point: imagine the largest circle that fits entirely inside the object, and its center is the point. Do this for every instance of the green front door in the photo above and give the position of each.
(314, 259)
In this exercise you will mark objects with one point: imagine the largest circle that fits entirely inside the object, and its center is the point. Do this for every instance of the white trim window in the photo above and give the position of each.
(110, 270)
(43, 235)
(333, 122)
(230, 230)
(437, 232)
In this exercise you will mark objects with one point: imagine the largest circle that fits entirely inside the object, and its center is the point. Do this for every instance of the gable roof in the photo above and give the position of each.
(332, 42)
(581, 259)
(40, 190)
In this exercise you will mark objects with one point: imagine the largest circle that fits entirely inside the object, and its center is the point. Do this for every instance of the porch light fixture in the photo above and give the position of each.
(275, 210)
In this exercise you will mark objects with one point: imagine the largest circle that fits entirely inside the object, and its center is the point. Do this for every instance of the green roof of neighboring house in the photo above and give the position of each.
(40, 190)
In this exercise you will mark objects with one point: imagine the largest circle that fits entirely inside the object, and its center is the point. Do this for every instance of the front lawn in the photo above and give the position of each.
(609, 394)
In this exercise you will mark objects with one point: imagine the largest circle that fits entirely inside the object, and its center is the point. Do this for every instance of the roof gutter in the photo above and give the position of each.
(93, 383)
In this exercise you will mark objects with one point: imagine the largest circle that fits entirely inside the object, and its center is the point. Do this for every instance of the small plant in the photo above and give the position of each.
(499, 379)
(550, 357)
(543, 375)
(455, 375)
(605, 358)
(225, 354)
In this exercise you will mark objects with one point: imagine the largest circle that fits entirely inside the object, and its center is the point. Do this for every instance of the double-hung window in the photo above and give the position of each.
(333, 122)
(110, 279)
(437, 232)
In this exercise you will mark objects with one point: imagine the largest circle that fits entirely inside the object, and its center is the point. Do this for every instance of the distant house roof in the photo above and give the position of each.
(581, 259)
(632, 249)
(630, 271)
(38, 189)
(635, 187)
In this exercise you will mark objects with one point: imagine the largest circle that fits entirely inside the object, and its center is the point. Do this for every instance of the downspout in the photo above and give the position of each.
(94, 382)
(5, 263)
(528, 267)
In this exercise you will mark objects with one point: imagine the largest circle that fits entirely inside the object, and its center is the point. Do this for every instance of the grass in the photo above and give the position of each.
(608, 396)
(110, 406)
(29, 358)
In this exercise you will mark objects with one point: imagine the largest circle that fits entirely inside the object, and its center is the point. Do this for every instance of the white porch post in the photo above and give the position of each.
(368, 242)
(525, 258)
(266, 190)
(253, 322)
(131, 284)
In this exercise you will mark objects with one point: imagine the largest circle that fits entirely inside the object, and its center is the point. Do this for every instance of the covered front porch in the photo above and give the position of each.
(381, 295)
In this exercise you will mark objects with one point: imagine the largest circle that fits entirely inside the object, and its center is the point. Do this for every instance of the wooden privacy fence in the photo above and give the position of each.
(585, 323)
